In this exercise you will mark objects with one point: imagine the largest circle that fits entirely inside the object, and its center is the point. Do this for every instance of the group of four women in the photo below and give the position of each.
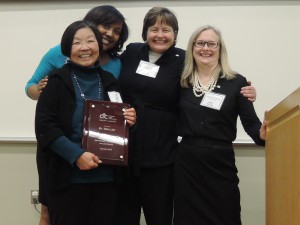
(193, 94)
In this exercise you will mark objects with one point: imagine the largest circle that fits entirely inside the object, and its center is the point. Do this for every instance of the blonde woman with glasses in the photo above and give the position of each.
(206, 181)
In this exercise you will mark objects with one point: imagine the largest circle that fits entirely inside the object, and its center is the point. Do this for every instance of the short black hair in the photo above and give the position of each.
(68, 36)
(106, 15)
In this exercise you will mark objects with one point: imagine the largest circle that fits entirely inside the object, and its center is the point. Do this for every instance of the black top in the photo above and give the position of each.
(199, 121)
(153, 141)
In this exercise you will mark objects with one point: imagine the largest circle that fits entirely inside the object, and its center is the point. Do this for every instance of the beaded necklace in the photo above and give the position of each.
(79, 88)
(202, 89)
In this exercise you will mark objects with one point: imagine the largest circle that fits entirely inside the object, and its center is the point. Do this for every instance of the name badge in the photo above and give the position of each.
(114, 96)
(213, 100)
(147, 69)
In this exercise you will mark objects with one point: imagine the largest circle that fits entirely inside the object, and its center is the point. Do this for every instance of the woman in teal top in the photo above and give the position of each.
(54, 59)
(111, 24)
(113, 28)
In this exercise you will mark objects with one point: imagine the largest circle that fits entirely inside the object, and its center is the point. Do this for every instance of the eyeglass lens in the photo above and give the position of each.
(210, 44)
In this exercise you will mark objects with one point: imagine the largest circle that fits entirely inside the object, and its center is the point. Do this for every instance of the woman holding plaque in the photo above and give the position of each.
(111, 24)
(80, 190)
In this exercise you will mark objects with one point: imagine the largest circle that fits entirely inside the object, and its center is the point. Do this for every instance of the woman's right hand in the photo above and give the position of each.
(88, 161)
(34, 91)
(42, 84)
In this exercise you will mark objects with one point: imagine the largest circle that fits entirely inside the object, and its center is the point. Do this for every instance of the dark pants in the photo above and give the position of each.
(83, 204)
(40, 161)
(153, 192)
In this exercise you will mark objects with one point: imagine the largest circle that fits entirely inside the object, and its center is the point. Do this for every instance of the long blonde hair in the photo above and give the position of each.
(189, 71)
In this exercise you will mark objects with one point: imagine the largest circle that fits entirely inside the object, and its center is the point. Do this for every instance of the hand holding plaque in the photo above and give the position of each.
(105, 132)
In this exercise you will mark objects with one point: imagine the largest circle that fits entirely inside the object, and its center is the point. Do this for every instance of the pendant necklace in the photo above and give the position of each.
(79, 88)
(200, 89)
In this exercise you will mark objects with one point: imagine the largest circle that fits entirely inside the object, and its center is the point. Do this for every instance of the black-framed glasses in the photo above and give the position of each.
(210, 44)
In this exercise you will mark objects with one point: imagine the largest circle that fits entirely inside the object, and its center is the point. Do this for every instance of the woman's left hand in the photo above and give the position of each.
(130, 116)
(249, 92)
(263, 130)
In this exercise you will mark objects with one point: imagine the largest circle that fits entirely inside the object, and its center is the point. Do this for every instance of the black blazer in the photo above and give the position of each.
(154, 139)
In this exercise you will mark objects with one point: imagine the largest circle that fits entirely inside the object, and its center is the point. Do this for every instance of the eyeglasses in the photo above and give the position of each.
(210, 44)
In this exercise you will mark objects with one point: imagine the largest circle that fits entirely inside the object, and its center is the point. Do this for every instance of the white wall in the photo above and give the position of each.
(18, 176)
(262, 38)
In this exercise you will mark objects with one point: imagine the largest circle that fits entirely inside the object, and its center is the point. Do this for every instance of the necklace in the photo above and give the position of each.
(200, 89)
(79, 88)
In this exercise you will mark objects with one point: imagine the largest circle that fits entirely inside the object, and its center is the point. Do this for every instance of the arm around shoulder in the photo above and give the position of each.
(53, 59)
(33, 92)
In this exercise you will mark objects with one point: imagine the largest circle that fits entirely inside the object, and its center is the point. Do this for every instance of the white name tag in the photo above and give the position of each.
(114, 96)
(213, 100)
(147, 69)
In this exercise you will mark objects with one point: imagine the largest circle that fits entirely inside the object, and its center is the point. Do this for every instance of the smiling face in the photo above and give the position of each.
(160, 37)
(206, 56)
(110, 34)
(85, 48)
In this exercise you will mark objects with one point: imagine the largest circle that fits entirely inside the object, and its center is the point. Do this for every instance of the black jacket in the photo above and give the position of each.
(53, 119)
(154, 139)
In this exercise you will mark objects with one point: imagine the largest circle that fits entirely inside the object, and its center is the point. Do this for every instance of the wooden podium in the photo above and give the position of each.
(283, 162)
